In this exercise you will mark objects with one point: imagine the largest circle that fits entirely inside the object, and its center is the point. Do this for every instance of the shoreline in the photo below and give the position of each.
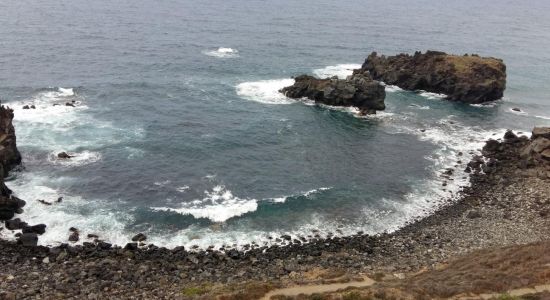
(505, 205)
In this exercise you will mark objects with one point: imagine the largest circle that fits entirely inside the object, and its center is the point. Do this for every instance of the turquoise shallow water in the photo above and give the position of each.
(180, 133)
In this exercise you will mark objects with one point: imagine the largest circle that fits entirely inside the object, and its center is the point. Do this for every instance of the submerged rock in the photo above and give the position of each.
(63, 155)
(357, 90)
(468, 78)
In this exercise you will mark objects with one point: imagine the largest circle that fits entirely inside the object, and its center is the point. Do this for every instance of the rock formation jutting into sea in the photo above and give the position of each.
(467, 78)
(358, 90)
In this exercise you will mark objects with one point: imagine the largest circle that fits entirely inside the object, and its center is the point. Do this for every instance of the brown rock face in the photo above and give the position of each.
(9, 158)
(468, 78)
(538, 150)
(357, 90)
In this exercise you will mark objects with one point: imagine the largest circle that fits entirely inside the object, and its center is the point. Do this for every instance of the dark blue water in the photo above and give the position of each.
(179, 131)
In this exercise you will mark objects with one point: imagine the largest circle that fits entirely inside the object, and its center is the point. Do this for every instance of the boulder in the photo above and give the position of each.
(359, 91)
(15, 224)
(140, 237)
(74, 237)
(468, 78)
(38, 229)
(28, 239)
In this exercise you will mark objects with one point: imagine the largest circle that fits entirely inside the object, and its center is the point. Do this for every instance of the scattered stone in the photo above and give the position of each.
(26, 107)
(44, 202)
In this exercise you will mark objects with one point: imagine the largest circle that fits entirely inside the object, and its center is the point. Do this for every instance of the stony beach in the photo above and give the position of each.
(507, 204)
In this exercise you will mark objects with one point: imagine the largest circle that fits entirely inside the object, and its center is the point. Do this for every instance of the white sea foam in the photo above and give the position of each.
(341, 71)
(77, 158)
(419, 106)
(182, 189)
(265, 91)
(486, 104)
(305, 194)
(391, 88)
(432, 96)
(222, 52)
(543, 117)
(218, 205)
(88, 215)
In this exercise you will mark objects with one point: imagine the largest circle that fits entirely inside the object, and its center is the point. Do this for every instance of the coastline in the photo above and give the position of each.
(506, 205)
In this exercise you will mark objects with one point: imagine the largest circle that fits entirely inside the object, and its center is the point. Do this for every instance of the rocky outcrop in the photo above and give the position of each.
(359, 91)
(468, 78)
(9, 155)
(9, 158)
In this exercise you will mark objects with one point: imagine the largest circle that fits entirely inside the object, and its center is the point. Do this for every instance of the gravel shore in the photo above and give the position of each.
(508, 203)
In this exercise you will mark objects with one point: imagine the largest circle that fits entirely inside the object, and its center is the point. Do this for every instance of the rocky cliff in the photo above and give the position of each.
(468, 78)
(359, 91)
(9, 158)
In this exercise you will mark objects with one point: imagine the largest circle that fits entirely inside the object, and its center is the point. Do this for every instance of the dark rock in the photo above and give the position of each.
(234, 254)
(509, 135)
(469, 78)
(516, 109)
(69, 104)
(38, 229)
(140, 237)
(28, 239)
(131, 246)
(358, 91)
(74, 237)
(60, 199)
(63, 155)
(15, 224)
(286, 237)
(33, 107)
(44, 202)
(26, 107)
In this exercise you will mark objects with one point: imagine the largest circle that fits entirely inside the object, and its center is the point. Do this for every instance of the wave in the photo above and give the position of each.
(218, 205)
(222, 52)
(342, 71)
(543, 117)
(265, 91)
(305, 194)
(88, 215)
(432, 96)
(391, 88)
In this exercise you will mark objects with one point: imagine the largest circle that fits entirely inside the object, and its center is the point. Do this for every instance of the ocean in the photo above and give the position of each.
(178, 130)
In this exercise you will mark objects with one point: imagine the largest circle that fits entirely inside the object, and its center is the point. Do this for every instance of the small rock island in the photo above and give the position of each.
(469, 78)
(358, 90)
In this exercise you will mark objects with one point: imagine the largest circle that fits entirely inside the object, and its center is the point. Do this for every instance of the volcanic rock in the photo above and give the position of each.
(468, 78)
(359, 91)
(28, 239)
(63, 155)
(140, 237)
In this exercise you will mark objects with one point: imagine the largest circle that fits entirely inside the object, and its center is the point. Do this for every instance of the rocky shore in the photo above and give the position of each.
(508, 203)
(467, 78)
